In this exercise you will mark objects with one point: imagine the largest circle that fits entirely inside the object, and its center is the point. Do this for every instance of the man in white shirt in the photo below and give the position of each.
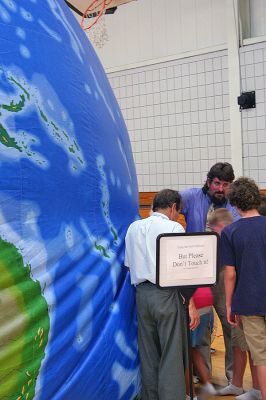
(161, 317)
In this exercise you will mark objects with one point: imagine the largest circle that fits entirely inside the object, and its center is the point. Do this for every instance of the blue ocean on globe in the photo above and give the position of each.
(68, 192)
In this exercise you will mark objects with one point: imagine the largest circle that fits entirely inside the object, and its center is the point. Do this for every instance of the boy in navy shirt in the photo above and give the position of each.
(244, 257)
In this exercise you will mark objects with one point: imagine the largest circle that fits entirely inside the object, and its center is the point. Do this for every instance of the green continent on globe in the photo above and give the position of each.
(7, 140)
(27, 99)
(24, 326)
(15, 107)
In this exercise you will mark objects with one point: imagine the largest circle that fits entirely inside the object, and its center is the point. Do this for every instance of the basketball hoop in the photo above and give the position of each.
(96, 28)
(98, 33)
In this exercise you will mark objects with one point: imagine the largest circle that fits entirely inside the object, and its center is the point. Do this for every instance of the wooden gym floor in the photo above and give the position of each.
(218, 367)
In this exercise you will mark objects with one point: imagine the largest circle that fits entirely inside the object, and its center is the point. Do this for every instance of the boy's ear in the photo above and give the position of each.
(218, 227)
(222, 224)
(215, 227)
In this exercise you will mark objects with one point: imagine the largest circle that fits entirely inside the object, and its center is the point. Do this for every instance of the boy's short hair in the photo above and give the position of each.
(166, 198)
(220, 215)
(262, 206)
(244, 194)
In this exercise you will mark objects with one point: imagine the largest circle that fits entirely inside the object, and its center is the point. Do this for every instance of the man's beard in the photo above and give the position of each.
(218, 201)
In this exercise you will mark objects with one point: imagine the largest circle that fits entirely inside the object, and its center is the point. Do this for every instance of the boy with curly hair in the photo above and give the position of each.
(244, 257)
(218, 220)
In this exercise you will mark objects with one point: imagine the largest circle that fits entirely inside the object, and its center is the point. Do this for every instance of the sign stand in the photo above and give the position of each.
(190, 366)
(187, 261)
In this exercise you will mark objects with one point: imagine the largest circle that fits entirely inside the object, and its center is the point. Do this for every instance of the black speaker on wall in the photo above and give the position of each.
(246, 100)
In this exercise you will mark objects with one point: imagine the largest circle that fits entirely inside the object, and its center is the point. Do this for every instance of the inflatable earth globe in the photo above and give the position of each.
(68, 192)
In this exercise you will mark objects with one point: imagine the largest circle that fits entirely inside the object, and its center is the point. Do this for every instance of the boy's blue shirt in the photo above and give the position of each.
(243, 246)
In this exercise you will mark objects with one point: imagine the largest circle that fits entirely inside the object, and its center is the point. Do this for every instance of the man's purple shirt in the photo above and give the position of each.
(195, 208)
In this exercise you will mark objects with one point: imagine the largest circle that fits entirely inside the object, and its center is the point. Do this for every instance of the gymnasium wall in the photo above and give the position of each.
(177, 114)
(257, 17)
(145, 30)
(253, 77)
(169, 70)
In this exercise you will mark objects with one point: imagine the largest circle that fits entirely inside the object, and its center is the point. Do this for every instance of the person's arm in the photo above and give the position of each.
(185, 197)
(229, 283)
(127, 246)
(229, 261)
(193, 314)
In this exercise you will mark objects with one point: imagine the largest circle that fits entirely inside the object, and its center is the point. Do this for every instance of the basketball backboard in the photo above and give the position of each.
(79, 6)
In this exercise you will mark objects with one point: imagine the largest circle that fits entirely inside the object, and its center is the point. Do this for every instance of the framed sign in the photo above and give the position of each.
(186, 259)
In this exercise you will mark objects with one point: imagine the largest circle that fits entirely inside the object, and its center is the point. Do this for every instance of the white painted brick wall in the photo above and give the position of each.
(178, 119)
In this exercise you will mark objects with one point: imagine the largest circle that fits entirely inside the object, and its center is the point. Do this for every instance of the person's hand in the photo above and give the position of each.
(233, 319)
(193, 315)
(239, 321)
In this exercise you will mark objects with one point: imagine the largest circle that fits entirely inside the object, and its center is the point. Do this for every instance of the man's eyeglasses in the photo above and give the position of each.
(223, 184)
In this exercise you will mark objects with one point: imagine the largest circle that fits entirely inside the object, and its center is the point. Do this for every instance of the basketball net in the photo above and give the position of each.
(95, 25)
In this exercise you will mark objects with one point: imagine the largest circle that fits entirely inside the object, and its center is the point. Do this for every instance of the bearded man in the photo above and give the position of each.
(198, 204)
